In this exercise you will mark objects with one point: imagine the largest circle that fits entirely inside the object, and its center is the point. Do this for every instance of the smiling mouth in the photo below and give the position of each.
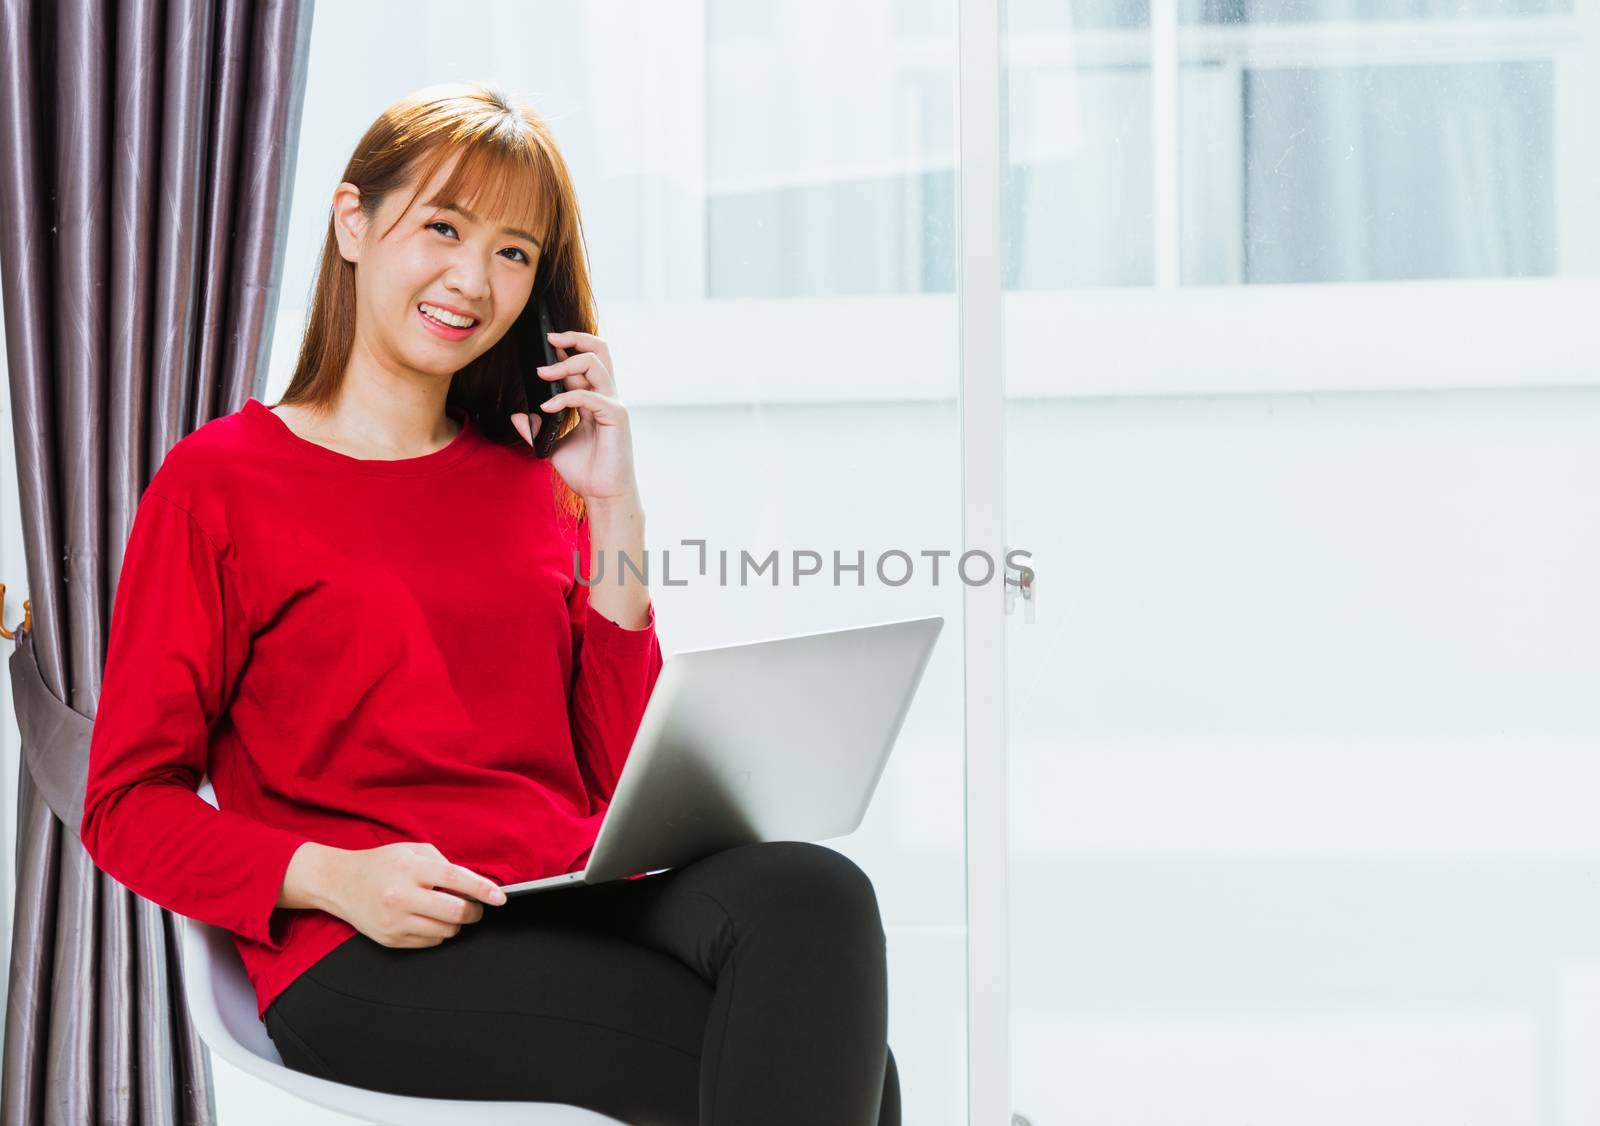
(446, 324)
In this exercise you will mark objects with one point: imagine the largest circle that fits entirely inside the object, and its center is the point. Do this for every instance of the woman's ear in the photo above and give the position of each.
(348, 220)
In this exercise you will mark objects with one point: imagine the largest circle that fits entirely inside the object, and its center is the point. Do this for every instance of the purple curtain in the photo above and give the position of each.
(144, 185)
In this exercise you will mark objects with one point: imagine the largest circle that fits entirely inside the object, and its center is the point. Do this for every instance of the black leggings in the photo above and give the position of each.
(747, 987)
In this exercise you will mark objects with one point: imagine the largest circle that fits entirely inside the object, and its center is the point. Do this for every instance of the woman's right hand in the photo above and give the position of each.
(404, 894)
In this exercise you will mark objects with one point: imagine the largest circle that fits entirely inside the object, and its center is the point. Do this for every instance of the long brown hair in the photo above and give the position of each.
(509, 166)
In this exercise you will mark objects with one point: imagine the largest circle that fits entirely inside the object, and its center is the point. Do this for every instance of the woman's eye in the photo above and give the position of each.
(448, 227)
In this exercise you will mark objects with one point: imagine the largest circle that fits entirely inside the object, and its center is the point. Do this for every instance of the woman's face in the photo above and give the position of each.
(434, 257)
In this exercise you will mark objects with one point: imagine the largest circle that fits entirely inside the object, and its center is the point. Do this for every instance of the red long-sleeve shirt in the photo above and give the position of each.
(358, 652)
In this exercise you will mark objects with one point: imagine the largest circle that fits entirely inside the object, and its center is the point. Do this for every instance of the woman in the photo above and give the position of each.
(360, 611)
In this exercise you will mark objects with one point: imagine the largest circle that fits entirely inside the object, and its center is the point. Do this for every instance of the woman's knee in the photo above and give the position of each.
(812, 880)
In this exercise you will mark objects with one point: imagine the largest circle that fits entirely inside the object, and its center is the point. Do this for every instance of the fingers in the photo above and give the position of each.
(454, 877)
(421, 930)
(435, 916)
(525, 424)
(606, 410)
(583, 369)
(447, 907)
(575, 341)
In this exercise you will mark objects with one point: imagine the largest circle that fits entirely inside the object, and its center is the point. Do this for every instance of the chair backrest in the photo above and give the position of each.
(221, 1000)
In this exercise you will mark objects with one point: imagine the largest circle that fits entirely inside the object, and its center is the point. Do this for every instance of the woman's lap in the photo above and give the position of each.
(486, 1015)
(608, 997)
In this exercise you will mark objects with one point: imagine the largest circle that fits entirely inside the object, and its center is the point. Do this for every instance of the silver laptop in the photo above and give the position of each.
(783, 739)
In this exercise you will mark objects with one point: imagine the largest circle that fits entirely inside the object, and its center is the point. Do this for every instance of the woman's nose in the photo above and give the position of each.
(470, 282)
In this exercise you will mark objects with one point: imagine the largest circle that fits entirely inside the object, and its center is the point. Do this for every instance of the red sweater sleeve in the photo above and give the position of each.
(614, 672)
(178, 640)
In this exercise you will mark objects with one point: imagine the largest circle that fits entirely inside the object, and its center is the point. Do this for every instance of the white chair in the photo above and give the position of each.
(222, 1004)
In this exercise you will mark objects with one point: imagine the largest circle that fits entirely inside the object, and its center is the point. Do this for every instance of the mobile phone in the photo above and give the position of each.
(534, 322)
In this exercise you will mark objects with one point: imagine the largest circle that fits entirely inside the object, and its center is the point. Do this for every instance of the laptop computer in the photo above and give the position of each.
(781, 739)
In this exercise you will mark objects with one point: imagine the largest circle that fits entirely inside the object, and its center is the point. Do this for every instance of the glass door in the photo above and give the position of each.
(1300, 426)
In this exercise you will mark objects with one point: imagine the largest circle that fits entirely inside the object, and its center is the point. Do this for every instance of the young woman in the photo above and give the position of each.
(360, 611)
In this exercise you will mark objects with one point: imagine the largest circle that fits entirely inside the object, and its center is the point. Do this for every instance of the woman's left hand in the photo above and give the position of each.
(596, 456)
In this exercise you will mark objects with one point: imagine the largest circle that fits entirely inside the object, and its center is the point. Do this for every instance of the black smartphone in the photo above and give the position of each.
(530, 352)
